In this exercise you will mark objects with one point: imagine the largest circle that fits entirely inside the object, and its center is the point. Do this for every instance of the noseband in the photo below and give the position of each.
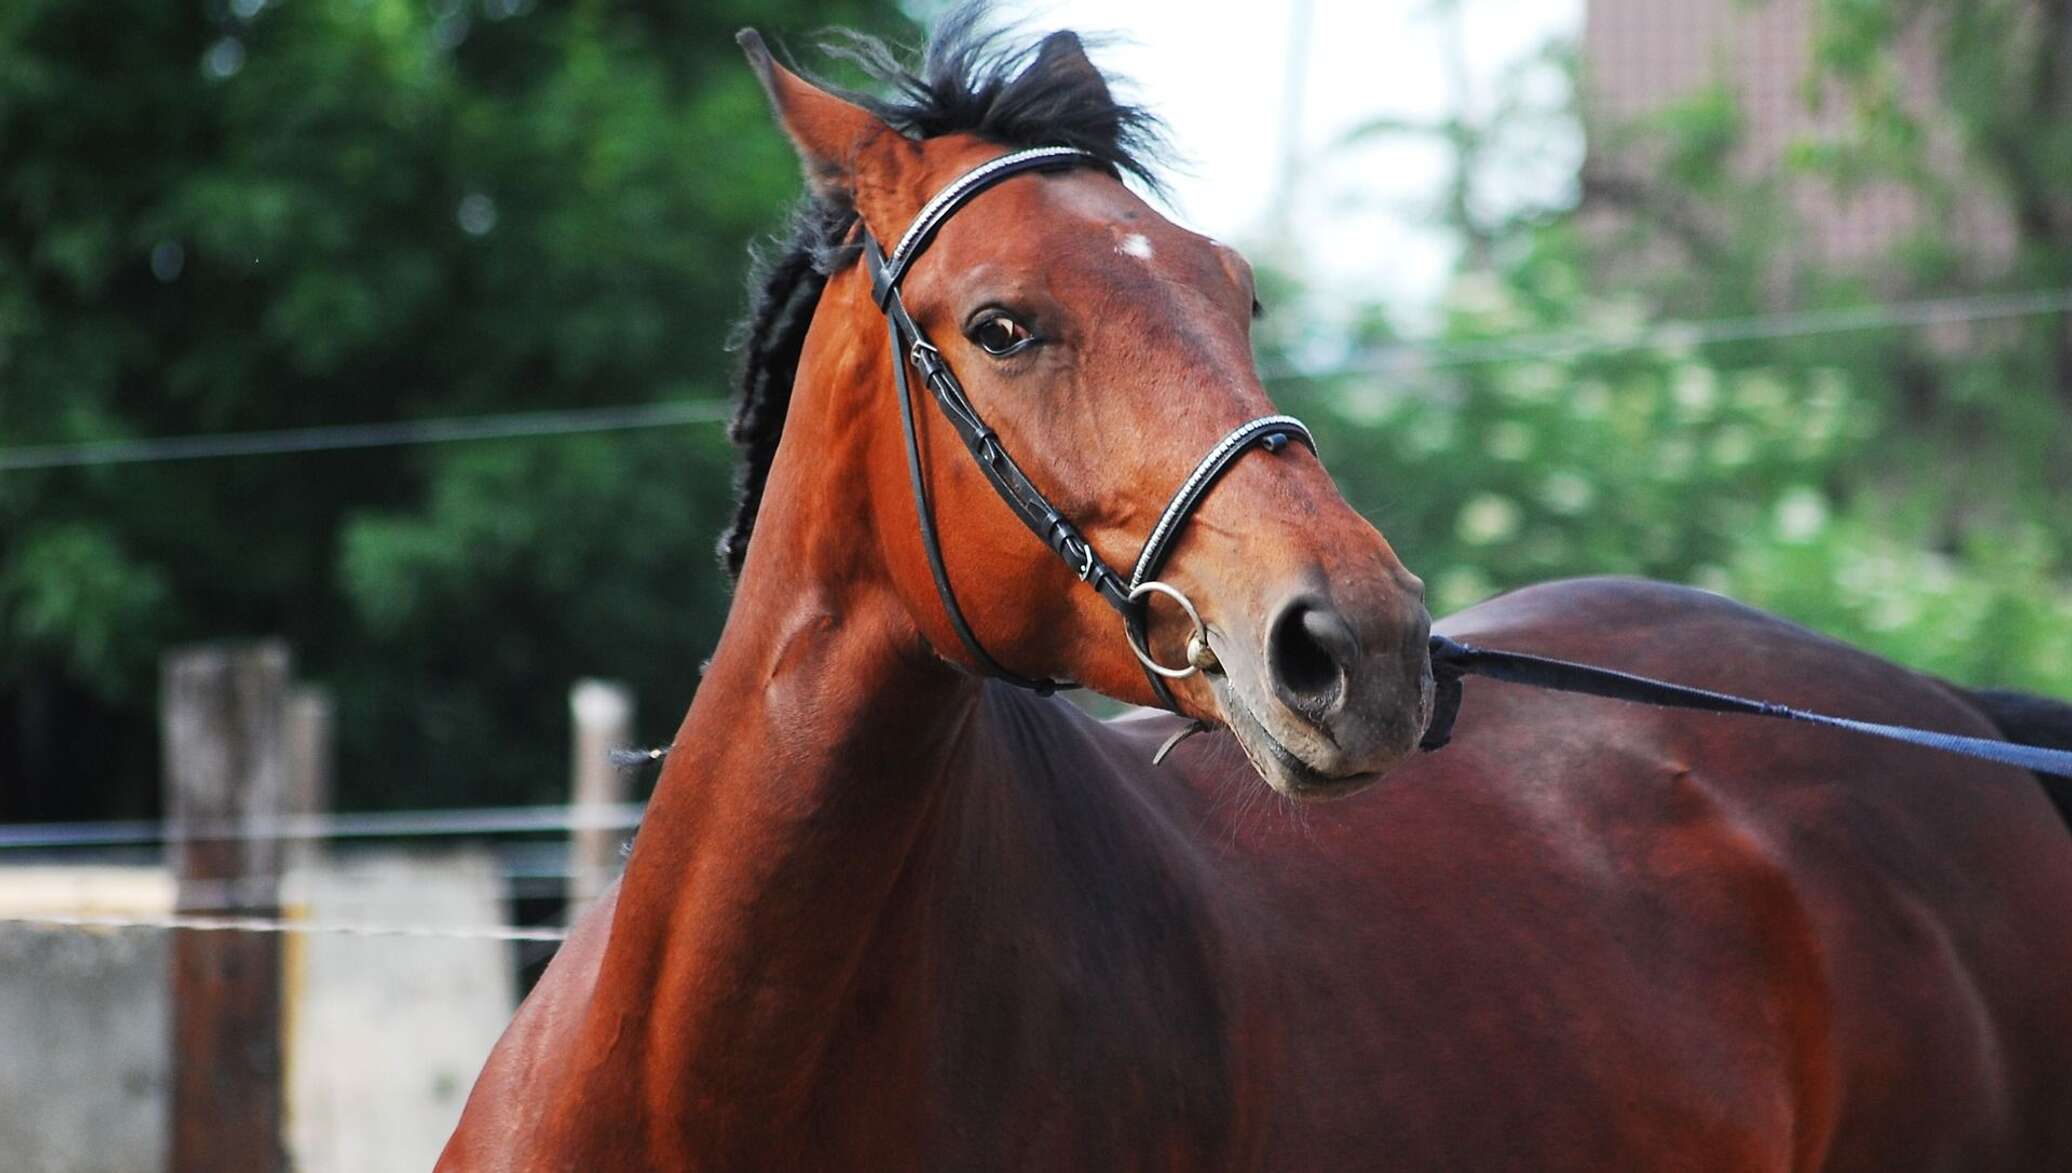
(1130, 597)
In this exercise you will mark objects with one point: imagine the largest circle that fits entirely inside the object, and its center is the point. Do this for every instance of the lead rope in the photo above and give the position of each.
(1452, 661)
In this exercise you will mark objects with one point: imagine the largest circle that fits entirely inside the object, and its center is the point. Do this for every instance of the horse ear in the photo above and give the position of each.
(828, 132)
(1062, 55)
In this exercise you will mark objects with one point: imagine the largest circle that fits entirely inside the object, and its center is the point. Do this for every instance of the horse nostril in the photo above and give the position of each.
(1309, 649)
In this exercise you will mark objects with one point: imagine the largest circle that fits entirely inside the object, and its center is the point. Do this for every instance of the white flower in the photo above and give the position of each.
(1590, 400)
(1733, 446)
(1532, 382)
(1696, 389)
(1488, 518)
(1801, 515)
(1509, 440)
(1462, 586)
(1567, 493)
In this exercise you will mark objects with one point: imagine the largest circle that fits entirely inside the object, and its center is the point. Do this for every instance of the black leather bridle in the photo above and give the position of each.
(1451, 661)
(1129, 597)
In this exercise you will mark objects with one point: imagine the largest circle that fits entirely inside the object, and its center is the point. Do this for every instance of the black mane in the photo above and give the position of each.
(1012, 90)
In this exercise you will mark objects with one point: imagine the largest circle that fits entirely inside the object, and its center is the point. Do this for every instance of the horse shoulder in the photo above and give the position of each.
(501, 1125)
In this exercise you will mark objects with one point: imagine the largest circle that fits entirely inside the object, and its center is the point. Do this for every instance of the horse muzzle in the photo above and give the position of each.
(1326, 699)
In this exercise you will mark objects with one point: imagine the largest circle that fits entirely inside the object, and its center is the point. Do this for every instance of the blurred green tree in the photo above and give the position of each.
(251, 215)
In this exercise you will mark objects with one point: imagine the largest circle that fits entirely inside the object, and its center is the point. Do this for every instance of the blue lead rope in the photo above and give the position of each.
(1452, 660)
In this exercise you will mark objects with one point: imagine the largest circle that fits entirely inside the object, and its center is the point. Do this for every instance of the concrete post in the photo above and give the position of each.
(309, 770)
(602, 714)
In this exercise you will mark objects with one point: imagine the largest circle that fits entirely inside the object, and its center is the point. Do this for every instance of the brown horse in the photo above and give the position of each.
(885, 914)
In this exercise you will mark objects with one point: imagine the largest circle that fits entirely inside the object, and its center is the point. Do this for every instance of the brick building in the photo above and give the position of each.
(1640, 56)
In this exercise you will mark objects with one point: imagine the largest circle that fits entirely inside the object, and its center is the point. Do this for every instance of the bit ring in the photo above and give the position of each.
(1199, 637)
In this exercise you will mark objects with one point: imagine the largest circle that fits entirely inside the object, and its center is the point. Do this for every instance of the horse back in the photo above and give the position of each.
(1596, 934)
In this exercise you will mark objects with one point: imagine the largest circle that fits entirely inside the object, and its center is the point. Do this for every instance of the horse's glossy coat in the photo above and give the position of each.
(884, 916)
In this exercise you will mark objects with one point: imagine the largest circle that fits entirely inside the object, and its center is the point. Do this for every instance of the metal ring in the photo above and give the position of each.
(1144, 657)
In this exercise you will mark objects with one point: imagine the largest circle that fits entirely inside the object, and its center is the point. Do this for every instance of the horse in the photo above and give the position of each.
(887, 910)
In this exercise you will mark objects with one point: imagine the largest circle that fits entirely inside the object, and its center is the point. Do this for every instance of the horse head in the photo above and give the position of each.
(1106, 349)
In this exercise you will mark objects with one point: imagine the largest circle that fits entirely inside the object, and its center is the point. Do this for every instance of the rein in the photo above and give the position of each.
(1129, 597)
(1452, 661)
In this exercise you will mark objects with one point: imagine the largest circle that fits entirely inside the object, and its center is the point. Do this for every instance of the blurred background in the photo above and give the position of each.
(386, 339)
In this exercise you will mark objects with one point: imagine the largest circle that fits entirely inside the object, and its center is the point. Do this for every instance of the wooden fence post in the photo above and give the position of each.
(602, 716)
(222, 720)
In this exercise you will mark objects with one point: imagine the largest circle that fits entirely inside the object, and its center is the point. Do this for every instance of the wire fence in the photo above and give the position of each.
(27, 839)
(189, 922)
(1684, 335)
(1398, 359)
(390, 434)
(520, 879)
(471, 821)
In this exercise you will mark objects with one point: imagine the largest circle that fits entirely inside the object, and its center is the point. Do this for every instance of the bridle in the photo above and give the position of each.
(1451, 660)
(1130, 597)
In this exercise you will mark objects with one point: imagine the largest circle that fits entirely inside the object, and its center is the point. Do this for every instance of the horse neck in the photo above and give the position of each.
(844, 815)
(804, 777)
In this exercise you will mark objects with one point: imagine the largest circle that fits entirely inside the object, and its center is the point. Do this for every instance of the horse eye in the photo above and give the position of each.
(1001, 335)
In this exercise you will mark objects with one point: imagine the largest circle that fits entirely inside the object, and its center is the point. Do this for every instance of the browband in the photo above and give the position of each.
(944, 204)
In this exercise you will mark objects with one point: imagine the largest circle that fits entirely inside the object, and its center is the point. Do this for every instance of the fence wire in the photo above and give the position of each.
(390, 434)
(269, 892)
(191, 922)
(1398, 359)
(1673, 335)
(507, 820)
(1391, 360)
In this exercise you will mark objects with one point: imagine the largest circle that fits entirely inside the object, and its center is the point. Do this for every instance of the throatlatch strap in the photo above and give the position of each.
(1012, 485)
(925, 512)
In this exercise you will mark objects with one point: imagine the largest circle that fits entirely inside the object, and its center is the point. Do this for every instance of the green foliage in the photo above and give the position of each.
(1506, 469)
(72, 596)
(1755, 471)
(335, 211)
(1701, 133)
(1996, 612)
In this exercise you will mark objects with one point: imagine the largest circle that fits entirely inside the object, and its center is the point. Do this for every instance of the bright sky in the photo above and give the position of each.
(1217, 71)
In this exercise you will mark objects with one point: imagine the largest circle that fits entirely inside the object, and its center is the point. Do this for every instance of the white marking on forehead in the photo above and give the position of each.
(1135, 245)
